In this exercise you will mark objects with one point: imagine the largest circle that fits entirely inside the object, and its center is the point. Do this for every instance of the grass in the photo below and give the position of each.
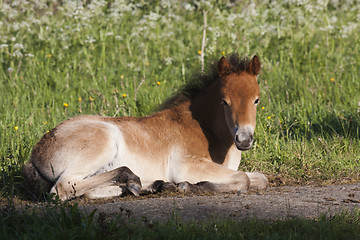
(59, 59)
(65, 221)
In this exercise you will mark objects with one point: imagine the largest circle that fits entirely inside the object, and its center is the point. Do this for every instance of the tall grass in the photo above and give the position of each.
(116, 58)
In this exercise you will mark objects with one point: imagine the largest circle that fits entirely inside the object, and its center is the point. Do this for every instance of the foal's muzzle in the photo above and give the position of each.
(244, 139)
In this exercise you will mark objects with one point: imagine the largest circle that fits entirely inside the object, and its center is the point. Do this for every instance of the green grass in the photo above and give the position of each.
(55, 52)
(308, 121)
(65, 221)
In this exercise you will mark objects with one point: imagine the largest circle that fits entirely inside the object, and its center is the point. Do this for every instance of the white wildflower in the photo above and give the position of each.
(17, 54)
(3, 46)
(335, 3)
(10, 70)
(153, 16)
(15, 26)
(189, 7)
(252, 10)
(233, 37)
(168, 60)
(18, 46)
(333, 19)
(210, 50)
(90, 39)
(204, 4)
(165, 4)
(24, 24)
(322, 3)
(348, 29)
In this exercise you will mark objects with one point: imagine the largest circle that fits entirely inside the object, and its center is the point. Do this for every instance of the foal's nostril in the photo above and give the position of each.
(237, 139)
(246, 140)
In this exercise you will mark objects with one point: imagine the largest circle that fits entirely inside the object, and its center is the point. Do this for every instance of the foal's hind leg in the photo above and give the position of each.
(122, 178)
(105, 191)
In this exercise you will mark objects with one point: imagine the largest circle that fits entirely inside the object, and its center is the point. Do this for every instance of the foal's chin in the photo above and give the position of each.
(243, 148)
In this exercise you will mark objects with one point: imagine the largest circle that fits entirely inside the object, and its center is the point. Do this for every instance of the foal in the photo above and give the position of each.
(195, 142)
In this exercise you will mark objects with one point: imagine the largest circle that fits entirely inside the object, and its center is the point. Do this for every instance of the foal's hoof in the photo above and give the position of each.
(200, 187)
(185, 187)
(241, 192)
(169, 187)
(206, 186)
(133, 187)
(156, 186)
(161, 186)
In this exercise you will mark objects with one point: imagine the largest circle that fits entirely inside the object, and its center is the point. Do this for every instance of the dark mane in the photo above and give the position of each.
(202, 80)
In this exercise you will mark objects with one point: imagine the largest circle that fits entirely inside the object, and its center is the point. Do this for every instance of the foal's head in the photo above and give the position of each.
(240, 95)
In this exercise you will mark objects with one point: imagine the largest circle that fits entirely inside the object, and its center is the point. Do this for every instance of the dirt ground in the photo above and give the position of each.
(275, 203)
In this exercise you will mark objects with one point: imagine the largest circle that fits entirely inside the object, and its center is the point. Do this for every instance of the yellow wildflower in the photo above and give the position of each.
(332, 79)
(45, 123)
(223, 53)
(158, 83)
(16, 128)
(199, 52)
(122, 76)
(269, 117)
(66, 105)
(91, 98)
(79, 99)
(48, 55)
(262, 108)
(124, 95)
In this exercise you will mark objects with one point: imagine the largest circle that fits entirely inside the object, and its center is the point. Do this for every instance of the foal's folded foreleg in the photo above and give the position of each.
(215, 177)
(204, 175)
(111, 183)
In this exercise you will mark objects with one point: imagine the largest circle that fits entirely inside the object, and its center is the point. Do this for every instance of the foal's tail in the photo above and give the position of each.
(35, 184)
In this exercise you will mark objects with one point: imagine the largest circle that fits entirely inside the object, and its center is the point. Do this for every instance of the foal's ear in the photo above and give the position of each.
(254, 66)
(223, 67)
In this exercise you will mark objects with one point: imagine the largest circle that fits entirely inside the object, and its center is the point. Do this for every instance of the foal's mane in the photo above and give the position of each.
(202, 80)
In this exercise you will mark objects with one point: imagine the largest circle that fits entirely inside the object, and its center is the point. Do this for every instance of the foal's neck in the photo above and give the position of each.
(206, 108)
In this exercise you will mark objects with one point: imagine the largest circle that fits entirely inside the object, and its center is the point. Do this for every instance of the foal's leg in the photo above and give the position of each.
(185, 187)
(159, 186)
(258, 181)
(214, 176)
(122, 178)
(105, 191)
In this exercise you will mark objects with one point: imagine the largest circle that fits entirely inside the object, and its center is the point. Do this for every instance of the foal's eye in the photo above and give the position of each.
(257, 101)
(225, 102)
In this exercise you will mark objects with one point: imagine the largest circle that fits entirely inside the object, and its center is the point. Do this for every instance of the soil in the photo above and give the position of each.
(276, 203)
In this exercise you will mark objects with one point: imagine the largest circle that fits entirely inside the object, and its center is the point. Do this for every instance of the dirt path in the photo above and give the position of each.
(276, 203)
